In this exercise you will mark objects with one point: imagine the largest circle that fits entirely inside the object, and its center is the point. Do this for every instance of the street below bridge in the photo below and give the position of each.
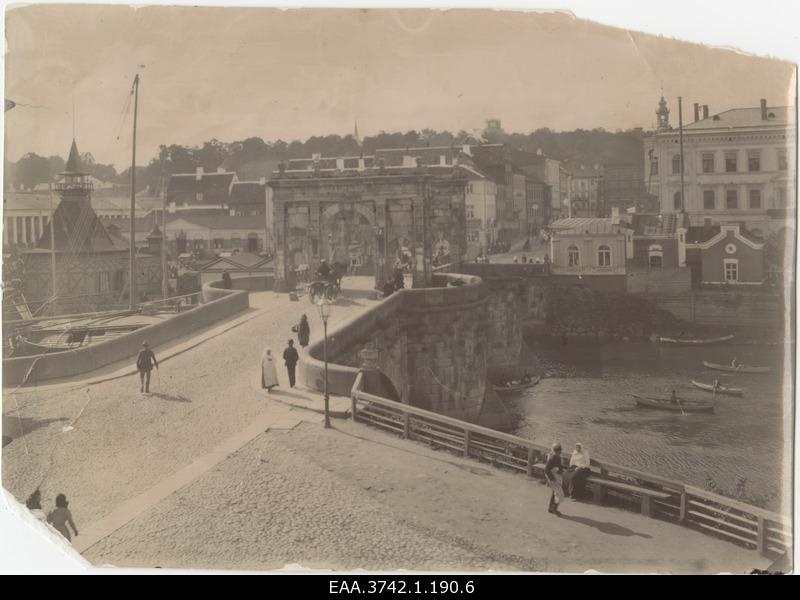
(211, 471)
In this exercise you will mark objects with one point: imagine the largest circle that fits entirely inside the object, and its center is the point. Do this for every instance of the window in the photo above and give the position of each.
(677, 201)
(730, 162)
(731, 199)
(574, 256)
(780, 198)
(655, 256)
(219, 243)
(783, 160)
(755, 198)
(708, 162)
(654, 166)
(709, 202)
(604, 256)
(473, 236)
(731, 270)
(470, 211)
(676, 164)
(753, 161)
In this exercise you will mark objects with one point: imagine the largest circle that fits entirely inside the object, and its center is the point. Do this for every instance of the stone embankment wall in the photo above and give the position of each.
(432, 344)
(754, 310)
(579, 311)
(217, 304)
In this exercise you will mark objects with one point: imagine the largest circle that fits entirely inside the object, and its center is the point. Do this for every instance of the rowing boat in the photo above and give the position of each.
(514, 387)
(737, 369)
(682, 406)
(728, 391)
(695, 342)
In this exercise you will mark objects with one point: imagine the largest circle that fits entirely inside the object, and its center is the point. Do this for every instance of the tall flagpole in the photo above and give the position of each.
(132, 280)
(680, 137)
(52, 243)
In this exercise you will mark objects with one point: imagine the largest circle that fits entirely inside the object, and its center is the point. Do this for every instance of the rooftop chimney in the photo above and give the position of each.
(220, 169)
(763, 109)
(262, 181)
(696, 111)
(705, 111)
(199, 175)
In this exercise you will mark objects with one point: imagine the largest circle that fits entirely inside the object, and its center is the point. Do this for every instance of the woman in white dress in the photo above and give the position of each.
(269, 376)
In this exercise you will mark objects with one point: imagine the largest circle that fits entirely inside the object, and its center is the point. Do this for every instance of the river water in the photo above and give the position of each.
(585, 396)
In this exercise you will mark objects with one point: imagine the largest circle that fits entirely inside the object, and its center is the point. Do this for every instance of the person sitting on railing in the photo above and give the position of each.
(579, 471)
(388, 288)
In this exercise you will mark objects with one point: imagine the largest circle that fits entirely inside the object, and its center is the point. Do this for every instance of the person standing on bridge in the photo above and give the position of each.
(303, 331)
(552, 473)
(269, 376)
(290, 358)
(144, 364)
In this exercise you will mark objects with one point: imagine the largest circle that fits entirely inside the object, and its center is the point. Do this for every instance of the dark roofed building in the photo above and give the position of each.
(91, 262)
(248, 197)
(200, 189)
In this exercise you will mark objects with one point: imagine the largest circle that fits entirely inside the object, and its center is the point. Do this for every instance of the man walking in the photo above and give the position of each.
(290, 358)
(552, 473)
(144, 363)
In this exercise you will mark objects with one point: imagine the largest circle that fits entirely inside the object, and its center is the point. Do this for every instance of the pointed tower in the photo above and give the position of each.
(75, 224)
(663, 115)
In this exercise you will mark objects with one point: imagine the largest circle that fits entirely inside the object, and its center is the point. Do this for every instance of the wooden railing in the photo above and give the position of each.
(750, 526)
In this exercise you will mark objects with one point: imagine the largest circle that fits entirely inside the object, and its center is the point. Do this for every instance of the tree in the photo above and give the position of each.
(32, 170)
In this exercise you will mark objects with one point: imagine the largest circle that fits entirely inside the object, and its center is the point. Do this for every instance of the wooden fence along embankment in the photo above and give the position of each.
(750, 526)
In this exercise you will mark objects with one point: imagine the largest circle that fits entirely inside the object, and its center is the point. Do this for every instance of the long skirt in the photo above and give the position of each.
(269, 377)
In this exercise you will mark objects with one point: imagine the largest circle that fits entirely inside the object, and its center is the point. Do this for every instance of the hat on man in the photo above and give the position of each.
(145, 344)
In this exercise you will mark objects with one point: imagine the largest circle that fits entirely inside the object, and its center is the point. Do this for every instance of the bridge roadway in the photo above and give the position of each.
(210, 471)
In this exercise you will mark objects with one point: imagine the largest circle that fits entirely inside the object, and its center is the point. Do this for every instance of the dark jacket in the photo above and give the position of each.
(146, 360)
(303, 332)
(553, 464)
(290, 356)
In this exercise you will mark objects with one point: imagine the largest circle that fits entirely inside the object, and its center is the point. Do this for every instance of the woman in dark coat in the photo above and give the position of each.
(303, 331)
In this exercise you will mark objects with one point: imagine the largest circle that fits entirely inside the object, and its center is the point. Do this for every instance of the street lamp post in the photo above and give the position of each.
(324, 313)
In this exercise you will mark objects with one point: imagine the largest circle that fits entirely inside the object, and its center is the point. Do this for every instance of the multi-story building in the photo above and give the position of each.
(200, 190)
(623, 187)
(739, 167)
(585, 189)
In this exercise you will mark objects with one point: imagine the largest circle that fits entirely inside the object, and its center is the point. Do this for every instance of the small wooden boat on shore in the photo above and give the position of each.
(681, 406)
(515, 386)
(45, 341)
(695, 342)
(727, 391)
(736, 369)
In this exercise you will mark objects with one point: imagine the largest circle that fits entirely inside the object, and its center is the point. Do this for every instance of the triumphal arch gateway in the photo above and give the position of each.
(366, 218)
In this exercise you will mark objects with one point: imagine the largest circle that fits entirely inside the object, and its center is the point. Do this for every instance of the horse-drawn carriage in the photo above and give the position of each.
(328, 285)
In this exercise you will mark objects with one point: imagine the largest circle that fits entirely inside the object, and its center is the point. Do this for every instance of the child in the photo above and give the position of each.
(60, 516)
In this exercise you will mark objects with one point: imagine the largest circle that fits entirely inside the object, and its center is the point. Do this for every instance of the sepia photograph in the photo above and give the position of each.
(456, 291)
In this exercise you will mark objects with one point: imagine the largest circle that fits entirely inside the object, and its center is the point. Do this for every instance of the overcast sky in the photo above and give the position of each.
(234, 73)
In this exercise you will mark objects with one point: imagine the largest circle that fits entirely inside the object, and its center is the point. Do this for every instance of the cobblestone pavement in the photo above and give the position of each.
(122, 442)
(354, 497)
(347, 497)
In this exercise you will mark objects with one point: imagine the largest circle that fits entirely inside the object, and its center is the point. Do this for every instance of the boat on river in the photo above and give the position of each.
(681, 406)
(515, 387)
(695, 342)
(720, 389)
(736, 369)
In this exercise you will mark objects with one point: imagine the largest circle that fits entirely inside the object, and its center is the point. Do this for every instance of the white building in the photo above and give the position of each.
(739, 167)
(481, 211)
